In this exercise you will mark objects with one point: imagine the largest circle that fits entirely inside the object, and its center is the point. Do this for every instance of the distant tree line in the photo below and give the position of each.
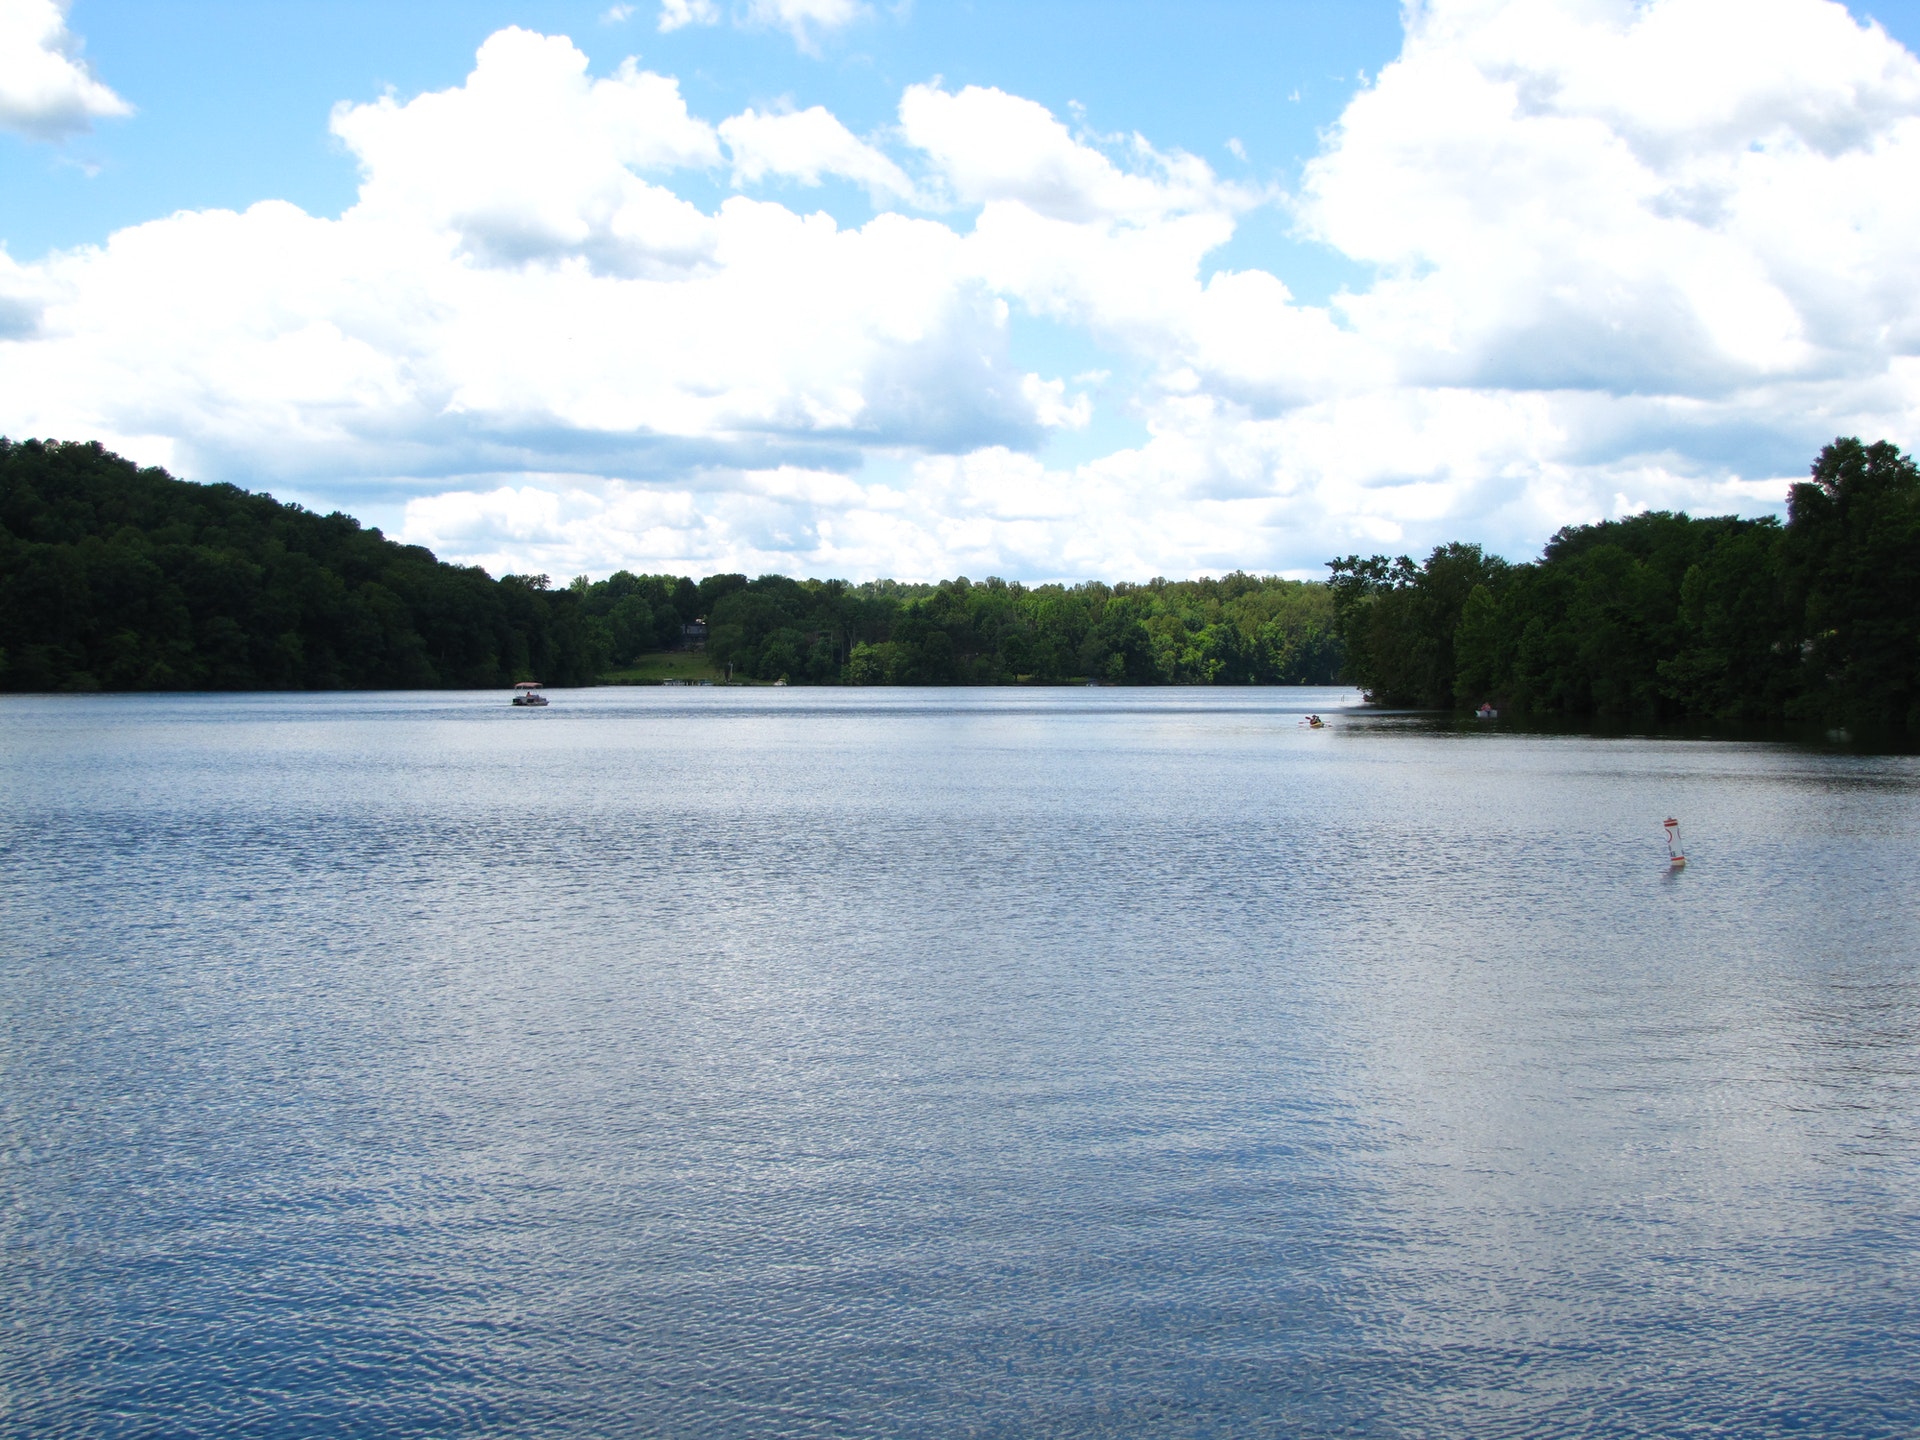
(1665, 616)
(117, 577)
(1235, 630)
(122, 578)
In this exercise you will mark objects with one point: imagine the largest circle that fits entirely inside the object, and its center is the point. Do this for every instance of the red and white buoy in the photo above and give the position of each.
(1676, 852)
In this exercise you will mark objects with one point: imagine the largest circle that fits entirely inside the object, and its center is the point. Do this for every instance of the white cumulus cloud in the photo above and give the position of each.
(46, 90)
(992, 146)
(806, 146)
(516, 288)
(531, 158)
(1621, 255)
(1687, 197)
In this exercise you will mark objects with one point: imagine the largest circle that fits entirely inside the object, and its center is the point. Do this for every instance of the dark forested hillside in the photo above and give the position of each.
(115, 577)
(1662, 615)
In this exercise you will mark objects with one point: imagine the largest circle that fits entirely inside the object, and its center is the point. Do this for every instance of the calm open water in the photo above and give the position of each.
(946, 1063)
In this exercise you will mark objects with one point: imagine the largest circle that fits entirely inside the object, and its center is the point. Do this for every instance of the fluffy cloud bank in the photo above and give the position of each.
(45, 90)
(1624, 255)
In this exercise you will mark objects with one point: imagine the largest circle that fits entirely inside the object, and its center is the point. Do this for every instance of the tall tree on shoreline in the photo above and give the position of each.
(1662, 615)
(1852, 573)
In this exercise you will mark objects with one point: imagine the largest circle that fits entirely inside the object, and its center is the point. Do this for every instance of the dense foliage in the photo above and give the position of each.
(120, 578)
(1662, 615)
(116, 577)
(1236, 630)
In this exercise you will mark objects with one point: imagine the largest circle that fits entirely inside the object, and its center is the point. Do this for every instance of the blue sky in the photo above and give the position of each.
(233, 97)
(1364, 321)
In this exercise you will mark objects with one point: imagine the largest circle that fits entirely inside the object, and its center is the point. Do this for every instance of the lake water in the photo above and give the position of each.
(714, 1062)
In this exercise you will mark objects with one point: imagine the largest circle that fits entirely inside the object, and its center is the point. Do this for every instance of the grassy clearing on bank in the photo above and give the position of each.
(651, 669)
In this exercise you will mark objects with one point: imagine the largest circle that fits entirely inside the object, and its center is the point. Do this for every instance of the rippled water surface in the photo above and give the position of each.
(739, 1063)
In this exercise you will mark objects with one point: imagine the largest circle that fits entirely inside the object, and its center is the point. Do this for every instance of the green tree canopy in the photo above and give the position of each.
(1665, 615)
(122, 578)
(117, 577)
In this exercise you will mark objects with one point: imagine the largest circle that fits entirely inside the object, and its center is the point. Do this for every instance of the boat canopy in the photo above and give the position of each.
(527, 685)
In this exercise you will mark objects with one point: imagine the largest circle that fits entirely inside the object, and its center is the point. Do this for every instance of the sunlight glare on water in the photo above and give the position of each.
(1068, 1063)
